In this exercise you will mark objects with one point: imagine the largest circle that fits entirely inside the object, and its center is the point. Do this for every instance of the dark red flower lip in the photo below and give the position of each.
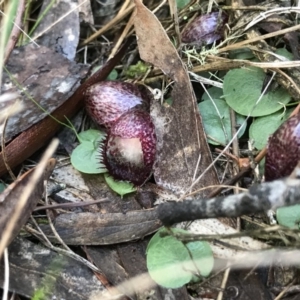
(129, 149)
(134, 127)
(283, 150)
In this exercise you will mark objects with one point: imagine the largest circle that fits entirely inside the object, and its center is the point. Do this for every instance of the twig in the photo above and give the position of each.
(109, 25)
(11, 109)
(250, 7)
(284, 291)
(71, 205)
(57, 21)
(223, 284)
(259, 198)
(59, 239)
(6, 275)
(259, 38)
(228, 145)
(122, 37)
(46, 242)
(37, 173)
(16, 30)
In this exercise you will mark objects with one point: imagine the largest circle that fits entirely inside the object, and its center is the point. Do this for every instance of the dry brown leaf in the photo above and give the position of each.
(40, 273)
(48, 77)
(181, 138)
(104, 229)
(62, 36)
(11, 196)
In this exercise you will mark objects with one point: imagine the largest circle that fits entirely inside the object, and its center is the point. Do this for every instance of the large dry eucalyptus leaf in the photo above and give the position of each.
(48, 77)
(11, 196)
(45, 274)
(62, 37)
(104, 229)
(181, 138)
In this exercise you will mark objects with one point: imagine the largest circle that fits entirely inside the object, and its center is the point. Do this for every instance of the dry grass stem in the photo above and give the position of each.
(6, 275)
(108, 26)
(25, 195)
(57, 21)
(258, 38)
(230, 142)
(275, 11)
(240, 261)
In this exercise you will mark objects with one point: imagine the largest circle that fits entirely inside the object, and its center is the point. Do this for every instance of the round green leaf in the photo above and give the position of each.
(202, 256)
(86, 159)
(182, 3)
(86, 156)
(2, 187)
(165, 262)
(91, 135)
(243, 53)
(242, 88)
(113, 75)
(283, 52)
(261, 128)
(289, 216)
(172, 264)
(217, 123)
(120, 187)
(214, 93)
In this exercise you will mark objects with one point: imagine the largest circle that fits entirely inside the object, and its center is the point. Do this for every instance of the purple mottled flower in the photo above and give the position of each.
(205, 29)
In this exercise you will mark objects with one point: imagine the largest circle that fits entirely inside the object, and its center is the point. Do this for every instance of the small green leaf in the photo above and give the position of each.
(182, 3)
(289, 216)
(172, 264)
(242, 88)
(261, 166)
(217, 123)
(263, 127)
(86, 157)
(137, 70)
(113, 75)
(2, 187)
(202, 256)
(168, 101)
(243, 53)
(120, 187)
(8, 20)
(283, 52)
(214, 93)
(91, 135)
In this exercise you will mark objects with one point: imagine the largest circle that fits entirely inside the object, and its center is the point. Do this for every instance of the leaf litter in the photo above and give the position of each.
(175, 129)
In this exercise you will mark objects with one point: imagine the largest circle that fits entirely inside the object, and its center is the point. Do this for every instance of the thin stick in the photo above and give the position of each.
(57, 21)
(26, 194)
(123, 8)
(6, 275)
(109, 25)
(123, 36)
(259, 38)
(46, 242)
(9, 113)
(223, 284)
(16, 30)
(228, 145)
(51, 223)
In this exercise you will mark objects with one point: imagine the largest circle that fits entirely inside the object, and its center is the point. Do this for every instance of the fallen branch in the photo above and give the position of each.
(259, 198)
